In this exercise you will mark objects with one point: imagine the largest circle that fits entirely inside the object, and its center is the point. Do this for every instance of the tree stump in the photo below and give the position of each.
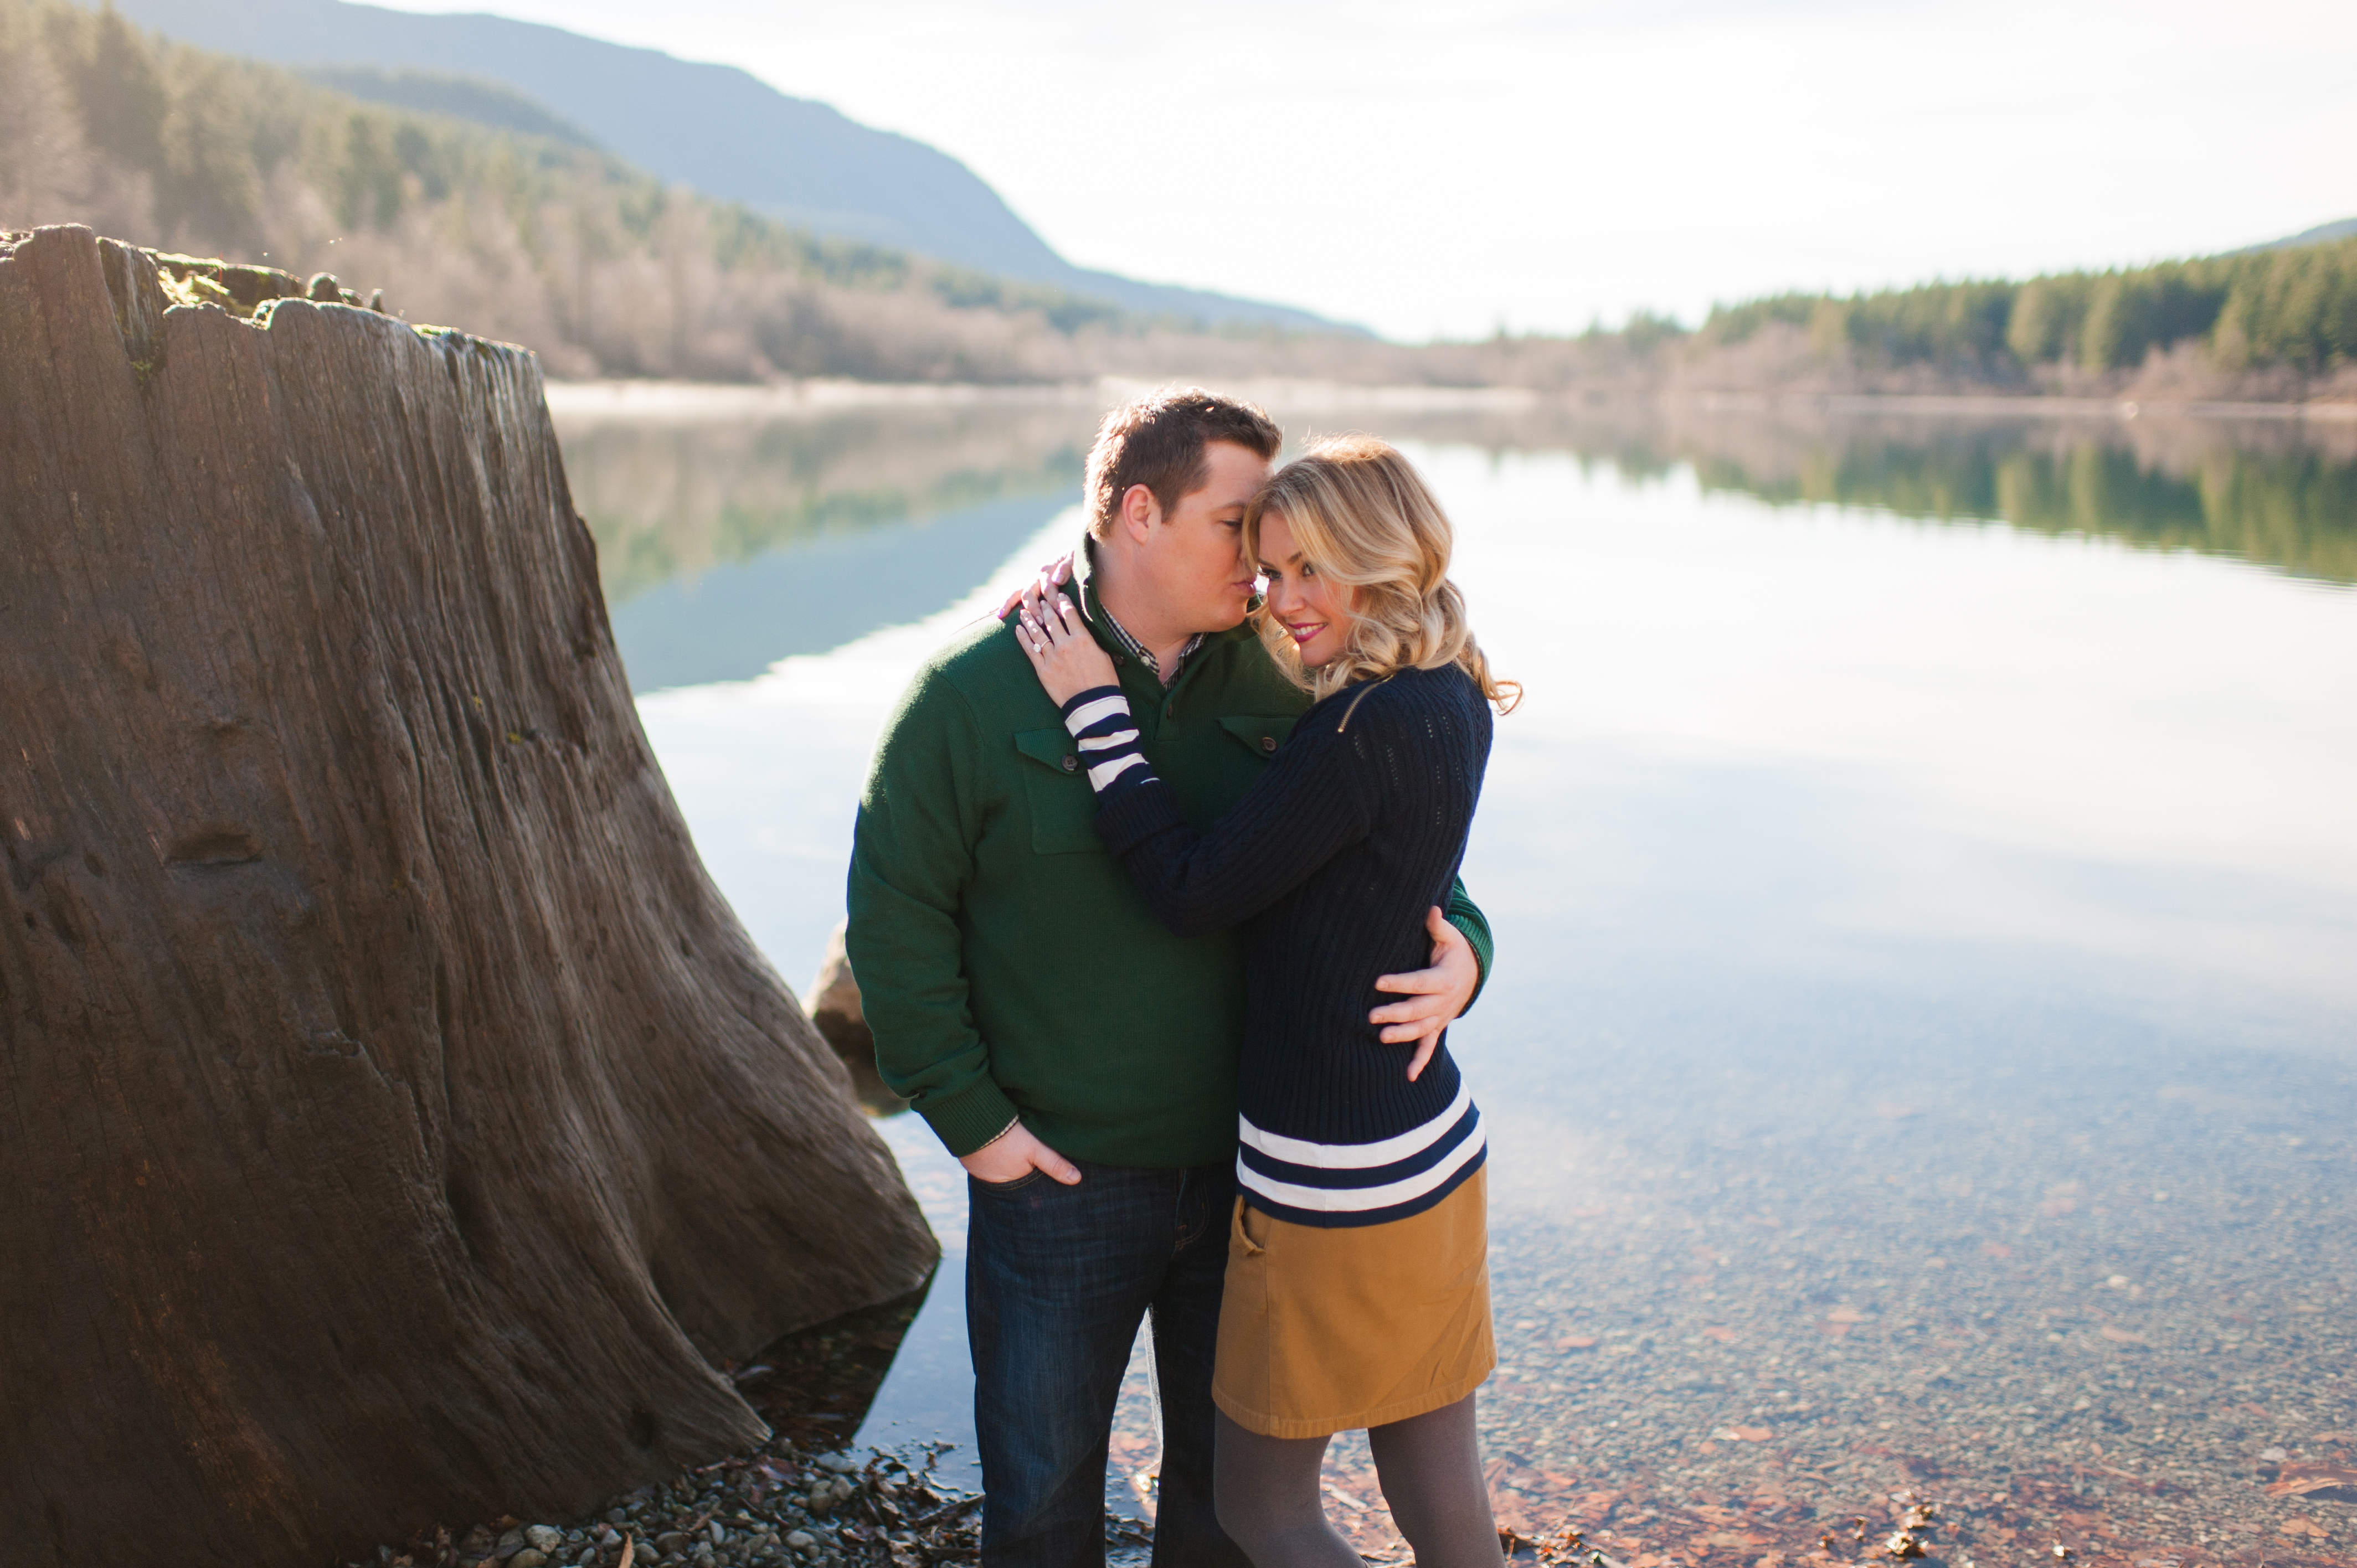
(395, 1122)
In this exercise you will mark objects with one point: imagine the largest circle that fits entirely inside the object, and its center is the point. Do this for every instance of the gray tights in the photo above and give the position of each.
(1430, 1465)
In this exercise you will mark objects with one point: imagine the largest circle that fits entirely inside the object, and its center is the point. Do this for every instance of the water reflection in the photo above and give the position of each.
(731, 622)
(2279, 492)
(1923, 1054)
(726, 545)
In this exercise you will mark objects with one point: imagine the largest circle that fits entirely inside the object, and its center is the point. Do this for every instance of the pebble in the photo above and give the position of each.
(748, 1510)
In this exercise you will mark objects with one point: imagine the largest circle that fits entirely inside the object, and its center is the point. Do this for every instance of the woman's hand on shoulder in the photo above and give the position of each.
(1063, 655)
(1032, 595)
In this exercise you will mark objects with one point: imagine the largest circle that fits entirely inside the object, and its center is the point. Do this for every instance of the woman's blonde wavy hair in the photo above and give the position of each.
(1364, 518)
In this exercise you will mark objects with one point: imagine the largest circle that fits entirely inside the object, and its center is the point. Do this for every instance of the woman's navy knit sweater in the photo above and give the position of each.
(1329, 864)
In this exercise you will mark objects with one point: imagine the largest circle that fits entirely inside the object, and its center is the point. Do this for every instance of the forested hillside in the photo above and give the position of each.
(534, 239)
(2287, 315)
(711, 127)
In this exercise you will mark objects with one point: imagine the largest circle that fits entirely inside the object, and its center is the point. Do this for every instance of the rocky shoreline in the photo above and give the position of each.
(779, 1504)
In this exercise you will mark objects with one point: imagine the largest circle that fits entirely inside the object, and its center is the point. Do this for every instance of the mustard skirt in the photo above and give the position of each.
(1330, 1329)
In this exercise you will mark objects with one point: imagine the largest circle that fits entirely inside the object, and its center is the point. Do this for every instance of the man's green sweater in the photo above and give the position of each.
(1005, 961)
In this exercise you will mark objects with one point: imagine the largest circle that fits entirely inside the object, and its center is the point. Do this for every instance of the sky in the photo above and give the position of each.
(1451, 169)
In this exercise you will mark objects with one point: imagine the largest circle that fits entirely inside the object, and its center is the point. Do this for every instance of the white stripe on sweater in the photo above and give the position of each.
(1357, 1199)
(1357, 1156)
(1104, 773)
(1088, 714)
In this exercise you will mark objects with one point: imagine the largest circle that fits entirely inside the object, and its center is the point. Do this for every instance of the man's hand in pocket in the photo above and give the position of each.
(1014, 1154)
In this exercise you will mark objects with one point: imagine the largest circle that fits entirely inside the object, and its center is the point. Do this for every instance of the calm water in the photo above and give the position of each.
(1922, 1058)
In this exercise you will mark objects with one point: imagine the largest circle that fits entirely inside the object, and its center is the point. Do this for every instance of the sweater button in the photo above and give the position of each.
(1072, 765)
(1268, 743)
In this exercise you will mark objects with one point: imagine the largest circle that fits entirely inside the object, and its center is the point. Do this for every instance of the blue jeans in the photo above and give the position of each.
(1057, 1281)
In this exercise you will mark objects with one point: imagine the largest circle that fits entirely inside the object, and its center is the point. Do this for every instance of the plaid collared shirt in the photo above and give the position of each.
(1138, 650)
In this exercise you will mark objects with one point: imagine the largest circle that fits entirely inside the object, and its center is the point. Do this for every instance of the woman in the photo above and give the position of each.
(1358, 1283)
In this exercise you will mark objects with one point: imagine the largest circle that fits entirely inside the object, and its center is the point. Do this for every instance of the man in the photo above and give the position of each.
(1075, 1056)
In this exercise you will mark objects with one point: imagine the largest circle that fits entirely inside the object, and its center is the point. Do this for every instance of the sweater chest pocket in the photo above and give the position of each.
(1063, 807)
(1260, 734)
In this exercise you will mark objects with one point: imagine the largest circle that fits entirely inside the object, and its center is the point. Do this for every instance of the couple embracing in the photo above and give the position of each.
(1156, 918)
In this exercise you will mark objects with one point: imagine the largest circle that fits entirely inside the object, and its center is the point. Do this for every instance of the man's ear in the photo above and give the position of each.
(1139, 511)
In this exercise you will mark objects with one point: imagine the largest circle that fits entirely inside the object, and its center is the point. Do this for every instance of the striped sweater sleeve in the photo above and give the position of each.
(1102, 725)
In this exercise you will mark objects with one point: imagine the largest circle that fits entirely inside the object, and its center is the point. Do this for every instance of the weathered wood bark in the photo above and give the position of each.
(395, 1120)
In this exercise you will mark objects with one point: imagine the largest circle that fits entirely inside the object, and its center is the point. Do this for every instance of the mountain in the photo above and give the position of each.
(2322, 234)
(715, 128)
(534, 238)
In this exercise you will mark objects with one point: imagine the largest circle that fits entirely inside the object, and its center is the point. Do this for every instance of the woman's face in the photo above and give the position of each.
(1313, 611)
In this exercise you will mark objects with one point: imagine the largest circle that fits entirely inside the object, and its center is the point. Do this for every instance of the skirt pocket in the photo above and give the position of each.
(1240, 1237)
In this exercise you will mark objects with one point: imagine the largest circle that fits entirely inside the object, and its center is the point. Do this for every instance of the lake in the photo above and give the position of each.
(1921, 1059)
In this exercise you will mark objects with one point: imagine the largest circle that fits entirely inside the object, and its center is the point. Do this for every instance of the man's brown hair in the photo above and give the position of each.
(1159, 441)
